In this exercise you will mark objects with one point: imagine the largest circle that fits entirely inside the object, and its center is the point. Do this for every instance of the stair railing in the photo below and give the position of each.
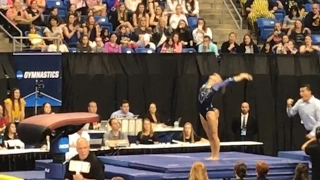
(8, 34)
(234, 16)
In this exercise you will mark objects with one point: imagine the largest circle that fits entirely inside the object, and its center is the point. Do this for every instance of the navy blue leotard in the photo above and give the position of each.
(206, 96)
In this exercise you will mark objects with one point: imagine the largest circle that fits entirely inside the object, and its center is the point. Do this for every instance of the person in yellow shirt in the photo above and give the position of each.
(15, 106)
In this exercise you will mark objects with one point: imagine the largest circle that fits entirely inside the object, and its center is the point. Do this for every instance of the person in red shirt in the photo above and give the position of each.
(3, 120)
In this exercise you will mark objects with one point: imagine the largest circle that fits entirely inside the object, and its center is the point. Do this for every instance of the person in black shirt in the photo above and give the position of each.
(153, 114)
(189, 136)
(10, 133)
(147, 136)
(312, 148)
(96, 166)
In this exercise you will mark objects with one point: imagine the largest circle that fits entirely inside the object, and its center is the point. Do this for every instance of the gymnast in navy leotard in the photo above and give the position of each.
(208, 116)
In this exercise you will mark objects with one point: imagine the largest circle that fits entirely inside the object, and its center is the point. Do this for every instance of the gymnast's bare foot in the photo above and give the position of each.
(213, 158)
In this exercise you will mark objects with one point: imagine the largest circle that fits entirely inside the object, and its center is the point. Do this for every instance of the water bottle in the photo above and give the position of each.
(176, 124)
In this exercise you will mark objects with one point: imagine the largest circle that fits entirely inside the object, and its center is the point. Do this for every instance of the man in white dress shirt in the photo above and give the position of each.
(123, 112)
(73, 138)
(308, 108)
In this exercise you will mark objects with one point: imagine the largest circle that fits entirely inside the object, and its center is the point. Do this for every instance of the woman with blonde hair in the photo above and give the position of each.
(188, 135)
(198, 172)
(147, 136)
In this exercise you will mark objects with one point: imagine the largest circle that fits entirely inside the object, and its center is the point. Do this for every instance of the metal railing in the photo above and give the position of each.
(234, 16)
(8, 34)
(40, 37)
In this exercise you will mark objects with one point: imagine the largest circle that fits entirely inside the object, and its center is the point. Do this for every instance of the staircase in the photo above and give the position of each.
(5, 45)
(221, 24)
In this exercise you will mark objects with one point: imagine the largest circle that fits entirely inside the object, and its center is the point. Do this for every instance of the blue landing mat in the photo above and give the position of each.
(297, 155)
(174, 164)
(131, 174)
(41, 164)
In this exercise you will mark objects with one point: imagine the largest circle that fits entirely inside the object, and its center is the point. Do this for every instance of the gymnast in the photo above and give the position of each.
(208, 114)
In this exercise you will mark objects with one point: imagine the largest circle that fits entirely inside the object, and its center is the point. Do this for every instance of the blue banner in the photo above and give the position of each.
(42, 72)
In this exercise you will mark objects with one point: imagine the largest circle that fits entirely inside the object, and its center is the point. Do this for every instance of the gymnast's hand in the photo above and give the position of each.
(242, 76)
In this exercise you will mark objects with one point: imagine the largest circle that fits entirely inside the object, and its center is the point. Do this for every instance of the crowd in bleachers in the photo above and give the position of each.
(110, 26)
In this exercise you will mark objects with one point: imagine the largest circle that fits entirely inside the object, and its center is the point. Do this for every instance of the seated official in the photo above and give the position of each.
(73, 138)
(96, 171)
(153, 115)
(115, 136)
(147, 136)
(312, 148)
(10, 133)
(123, 112)
(93, 108)
(188, 135)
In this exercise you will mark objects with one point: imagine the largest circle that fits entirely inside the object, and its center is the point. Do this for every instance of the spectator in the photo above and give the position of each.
(97, 7)
(104, 35)
(35, 12)
(308, 47)
(124, 39)
(240, 171)
(41, 4)
(191, 8)
(153, 4)
(262, 170)
(99, 46)
(230, 46)
(201, 31)
(276, 36)
(247, 46)
(35, 39)
(120, 17)
(291, 48)
(177, 17)
(312, 20)
(91, 29)
(208, 46)
(156, 16)
(160, 32)
(53, 29)
(112, 46)
(140, 12)
(290, 19)
(298, 32)
(198, 172)
(74, 12)
(18, 16)
(185, 33)
(288, 5)
(71, 31)
(54, 14)
(131, 5)
(168, 46)
(266, 49)
(84, 45)
(177, 43)
(147, 136)
(57, 45)
(281, 47)
(259, 9)
(144, 35)
(81, 6)
(171, 6)
(301, 172)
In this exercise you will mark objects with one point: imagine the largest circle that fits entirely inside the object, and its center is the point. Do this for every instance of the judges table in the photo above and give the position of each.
(24, 159)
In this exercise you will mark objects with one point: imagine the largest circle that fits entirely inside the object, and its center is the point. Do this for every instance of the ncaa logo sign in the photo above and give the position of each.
(19, 75)
(63, 145)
